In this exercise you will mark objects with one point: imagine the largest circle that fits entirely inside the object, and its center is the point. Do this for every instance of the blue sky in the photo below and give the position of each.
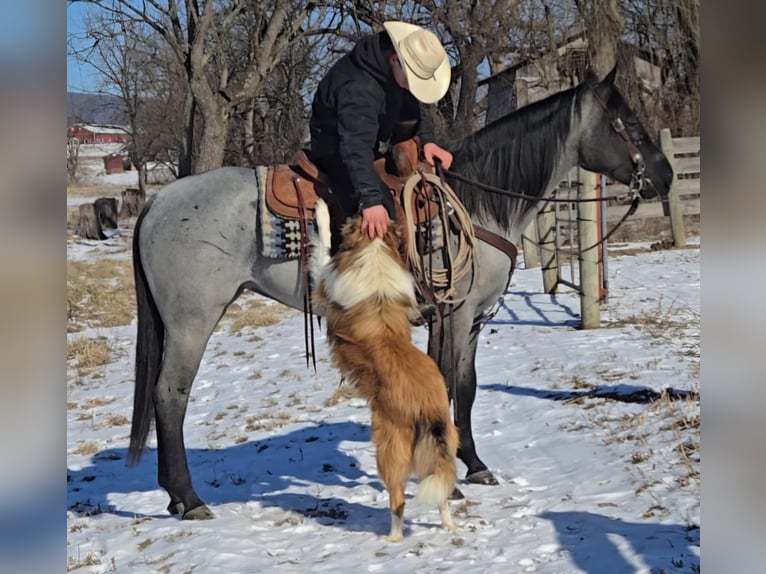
(80, 77)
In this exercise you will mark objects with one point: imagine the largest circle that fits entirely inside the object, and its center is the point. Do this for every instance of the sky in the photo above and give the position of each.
(81, 77)
(594, 478)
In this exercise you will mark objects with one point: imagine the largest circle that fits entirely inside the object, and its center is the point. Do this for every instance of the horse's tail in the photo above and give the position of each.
(434, 460)
(150, 339)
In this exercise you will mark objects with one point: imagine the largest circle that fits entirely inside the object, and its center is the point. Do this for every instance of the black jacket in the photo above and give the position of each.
(356, 107)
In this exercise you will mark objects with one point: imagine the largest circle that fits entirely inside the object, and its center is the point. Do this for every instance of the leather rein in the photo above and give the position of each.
(637, 180)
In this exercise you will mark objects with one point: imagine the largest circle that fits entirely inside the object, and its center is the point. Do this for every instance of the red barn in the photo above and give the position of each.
(114, 163)
(98, 134)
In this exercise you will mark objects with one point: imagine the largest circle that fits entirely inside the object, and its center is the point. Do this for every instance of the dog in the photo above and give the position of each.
(366, 296)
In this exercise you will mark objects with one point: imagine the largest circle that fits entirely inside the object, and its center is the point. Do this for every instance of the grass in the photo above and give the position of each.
(88, 353)
(100, 294)
(251, 313)
(91, 559)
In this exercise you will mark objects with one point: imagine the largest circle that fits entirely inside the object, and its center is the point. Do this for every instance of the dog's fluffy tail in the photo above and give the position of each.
(320, 244)
(434, 460)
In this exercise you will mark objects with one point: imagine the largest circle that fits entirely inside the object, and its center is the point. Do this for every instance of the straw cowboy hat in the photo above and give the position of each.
(424, 60)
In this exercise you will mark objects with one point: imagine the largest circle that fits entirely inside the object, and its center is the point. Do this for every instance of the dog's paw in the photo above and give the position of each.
(450, 527)
(393, 537)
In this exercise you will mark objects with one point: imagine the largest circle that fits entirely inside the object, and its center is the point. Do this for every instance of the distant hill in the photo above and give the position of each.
(94, 109)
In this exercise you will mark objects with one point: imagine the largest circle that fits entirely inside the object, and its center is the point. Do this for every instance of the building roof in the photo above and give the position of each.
(103, 129)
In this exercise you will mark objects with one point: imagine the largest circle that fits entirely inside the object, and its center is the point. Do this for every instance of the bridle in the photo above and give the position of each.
(637, 177)
(636, 185)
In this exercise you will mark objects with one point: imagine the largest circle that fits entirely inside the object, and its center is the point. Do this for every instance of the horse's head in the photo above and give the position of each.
(616, 144)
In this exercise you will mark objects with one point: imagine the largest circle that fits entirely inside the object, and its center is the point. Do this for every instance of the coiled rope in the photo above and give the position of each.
(460, 261)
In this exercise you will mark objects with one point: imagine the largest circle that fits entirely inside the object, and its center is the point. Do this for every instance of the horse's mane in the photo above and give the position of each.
(517, 152)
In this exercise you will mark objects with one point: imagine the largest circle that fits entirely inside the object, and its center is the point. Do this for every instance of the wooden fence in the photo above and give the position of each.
(564, 230)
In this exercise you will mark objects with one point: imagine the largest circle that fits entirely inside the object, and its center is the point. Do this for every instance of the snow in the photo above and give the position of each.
(594, 476)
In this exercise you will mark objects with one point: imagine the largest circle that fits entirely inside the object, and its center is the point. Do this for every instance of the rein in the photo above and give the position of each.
(636, 184)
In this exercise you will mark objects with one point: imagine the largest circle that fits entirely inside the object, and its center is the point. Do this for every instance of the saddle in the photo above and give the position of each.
(292, 190)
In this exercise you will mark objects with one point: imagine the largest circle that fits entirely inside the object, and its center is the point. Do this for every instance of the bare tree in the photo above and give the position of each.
(603, 29)
(72, 158)
(202, 36)
(668, 32)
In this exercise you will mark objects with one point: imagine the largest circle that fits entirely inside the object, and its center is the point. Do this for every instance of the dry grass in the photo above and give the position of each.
(652, 229)
(100, 294)
(255, 313)
(87, 448)
(89, 353)
(342, 394)
(91, 559)
(113, 421)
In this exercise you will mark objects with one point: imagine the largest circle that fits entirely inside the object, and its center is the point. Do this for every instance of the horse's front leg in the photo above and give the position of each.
(455, 353)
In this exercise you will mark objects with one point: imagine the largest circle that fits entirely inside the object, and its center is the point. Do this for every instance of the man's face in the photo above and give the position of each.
(398, 71)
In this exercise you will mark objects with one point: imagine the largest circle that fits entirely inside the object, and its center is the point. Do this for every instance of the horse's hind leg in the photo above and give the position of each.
(183, 352)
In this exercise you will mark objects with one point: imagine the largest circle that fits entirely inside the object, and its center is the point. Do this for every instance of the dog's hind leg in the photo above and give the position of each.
(396, 494)
(394, 467)
(447, 522)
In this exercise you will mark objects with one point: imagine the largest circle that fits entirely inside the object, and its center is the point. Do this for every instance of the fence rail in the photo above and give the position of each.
(684, 155)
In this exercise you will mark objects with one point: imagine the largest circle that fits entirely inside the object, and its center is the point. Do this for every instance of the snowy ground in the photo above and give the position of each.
(596, 476)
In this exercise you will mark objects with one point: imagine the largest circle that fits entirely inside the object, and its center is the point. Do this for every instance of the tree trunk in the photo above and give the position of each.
(186, 153)
(248, 136)
(604, 32)
(212, 144)
(106, 210)
(469, 81)
(90, 226)
(132, 202)
(142, 176)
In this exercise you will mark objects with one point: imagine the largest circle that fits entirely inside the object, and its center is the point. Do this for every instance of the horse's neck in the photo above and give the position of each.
(526, 212)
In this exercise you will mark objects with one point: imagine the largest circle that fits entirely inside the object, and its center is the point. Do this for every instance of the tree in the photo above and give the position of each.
(604, 30)
(72, 158)
(227, 50)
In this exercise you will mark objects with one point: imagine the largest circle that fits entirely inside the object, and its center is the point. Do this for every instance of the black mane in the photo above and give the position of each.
(517, 152)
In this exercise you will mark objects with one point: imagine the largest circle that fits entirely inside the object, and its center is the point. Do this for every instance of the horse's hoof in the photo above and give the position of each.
(482, 477)
(456, 494)
(199, 513)
(176, 507)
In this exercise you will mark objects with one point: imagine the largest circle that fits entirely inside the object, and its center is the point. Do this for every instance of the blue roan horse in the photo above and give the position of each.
(196, 248)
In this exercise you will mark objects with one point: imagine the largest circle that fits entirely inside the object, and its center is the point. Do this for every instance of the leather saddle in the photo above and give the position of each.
(292, 190)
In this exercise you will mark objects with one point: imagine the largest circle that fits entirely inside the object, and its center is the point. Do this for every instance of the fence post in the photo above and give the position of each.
(529, 241)
(546, 230)
(588, 235)
(674, 201)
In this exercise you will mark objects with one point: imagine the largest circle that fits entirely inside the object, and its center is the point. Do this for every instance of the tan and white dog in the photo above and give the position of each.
(366, 295)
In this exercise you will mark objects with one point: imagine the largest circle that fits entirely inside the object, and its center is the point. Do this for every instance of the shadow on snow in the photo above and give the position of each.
(285, 471)
(549, 310)
(601, 545)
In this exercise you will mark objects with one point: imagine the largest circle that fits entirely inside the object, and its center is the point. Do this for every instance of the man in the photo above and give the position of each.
(358, 108)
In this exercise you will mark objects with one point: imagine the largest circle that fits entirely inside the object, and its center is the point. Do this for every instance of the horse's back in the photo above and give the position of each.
(212, 190)
(200, 231)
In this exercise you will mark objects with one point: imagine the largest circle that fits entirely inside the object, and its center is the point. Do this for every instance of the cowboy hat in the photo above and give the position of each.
(425, 62)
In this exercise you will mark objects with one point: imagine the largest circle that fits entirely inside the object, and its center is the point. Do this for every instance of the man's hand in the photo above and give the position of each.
(375, 221)
(432, 152)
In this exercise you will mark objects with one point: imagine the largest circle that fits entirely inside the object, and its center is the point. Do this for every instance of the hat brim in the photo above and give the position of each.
(430, 90)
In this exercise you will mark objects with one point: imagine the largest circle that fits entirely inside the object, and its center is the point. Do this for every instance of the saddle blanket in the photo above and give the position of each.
(280, 238)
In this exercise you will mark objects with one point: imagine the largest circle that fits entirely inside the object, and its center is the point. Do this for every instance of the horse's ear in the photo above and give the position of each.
(609, 79)
(604, 87)
(591, 78)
